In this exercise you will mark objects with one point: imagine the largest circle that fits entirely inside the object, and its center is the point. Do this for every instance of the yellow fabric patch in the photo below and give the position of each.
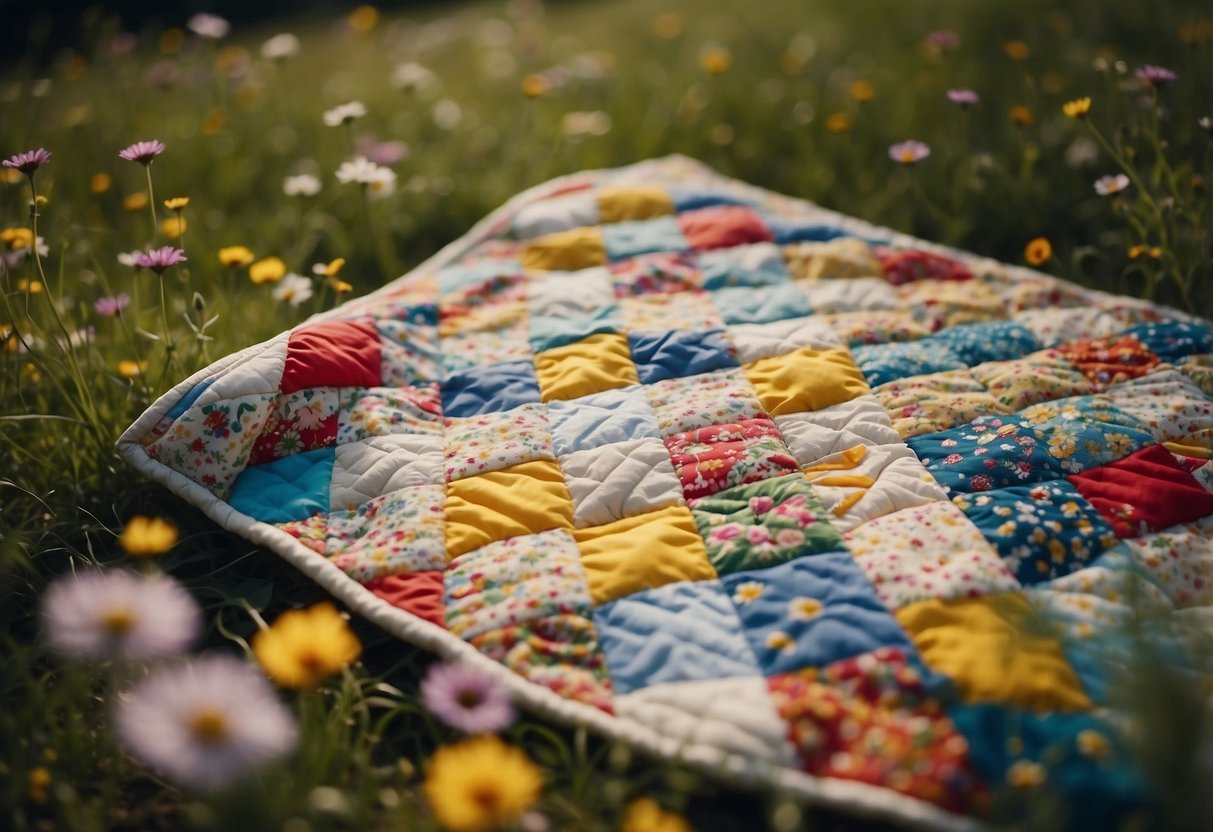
(642, 552)
(577, 248)
(591, 365)
(806, 379)
(847, 460)
(640, 202)
(1197, 451)
(996, 650)
(521, 499)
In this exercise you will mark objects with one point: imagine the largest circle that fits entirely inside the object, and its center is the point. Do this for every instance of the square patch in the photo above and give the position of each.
(291, 488)
(576, 248)
(663, 355)
(630, 239)
(805, 380)
(721, 397)
(756, 341)
(656, 274)
(305, 420)
(850, 294)
(716, 457)
(633, 202)
(489, 388)
(883, 363)
(723, 226)
(693, 310)
(394, 534)
(409, 353)
(592, 365)
(610, 482)
(379, 465)
(550, 332)
(759, 264)
(841, 258)
(492, 441)
(340, 353)
(1037, 377)
(814, 436)
(869, 481)
(558, 294)
(383, 411)
(523, 499)
(601, 419)
(417, 593)
(935, 402)
(761, 304)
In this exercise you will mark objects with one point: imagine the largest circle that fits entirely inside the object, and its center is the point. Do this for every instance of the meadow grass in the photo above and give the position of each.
(804, 98)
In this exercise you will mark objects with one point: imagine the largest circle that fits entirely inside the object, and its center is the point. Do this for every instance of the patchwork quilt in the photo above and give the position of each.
(798, 499)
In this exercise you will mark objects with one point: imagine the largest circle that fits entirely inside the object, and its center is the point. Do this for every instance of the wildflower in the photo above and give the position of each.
(130, 369)
(1155, 76)
(129, 258)
(646, 815)
(942, 39)
(17, 238)
(146, 536)
(29, 161)
(716, 60)
(862, 91)
(267, 270)
(108, 307)
(1078, 108)
(838, 122)
(382, 153)
(909, 152)
(305, 647)
(481, 784)
(30, 287)
(176, 203)
(100, 183)
(804, 609)
(142, 152)
(667, 26)
(535, 86)
(10, 176)
(1024, 774)
(135, 202)
(344, 114)
(413, 77)
(363, 19)
(1016, 50)
(1206, 124)
(231, 256)
(37, 784)
(466, 699)
(280, 47)
(585, 123)
(160, 259)
(118, 614)
(1022, 116)
(340, 287)
(1093, 744)
(1109, 185)
(365, 172)
(303, 184)
(205, 723)
(447, 114)
(1038, 251)
(964, 98)
(173, 227)
(293, 289)
(209, 26)
(330, 269)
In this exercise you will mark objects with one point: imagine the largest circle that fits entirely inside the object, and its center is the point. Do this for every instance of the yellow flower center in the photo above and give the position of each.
(486, 796)
(118, 622)
(209, 726)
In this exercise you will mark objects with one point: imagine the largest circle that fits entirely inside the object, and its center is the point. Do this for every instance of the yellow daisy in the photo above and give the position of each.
(305, 647)
(147, 536)
(481, 784)
(646, 815)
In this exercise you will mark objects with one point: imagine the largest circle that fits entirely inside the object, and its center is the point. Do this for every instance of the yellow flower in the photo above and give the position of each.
(364, 18)
(1038, 251)
(481, 784)
(30, 374)
(748, 591)
(135, 202)
(305, 647)
(1025, 774)
(1021, 116)
(147, 536)
(1138, 250)
(17, 238)
(11, 176)
(100, 183)
(30, 287)
(535, 86)
(779, 640)
(340, 286)
(1016, 50)
(213, 122)
(129, 369)
(667, 26)
(333, 267)
(173, 227)
(716, 60)
(862, 91)
(838, 122)
(804, 609)
(176, 203)
(37, 782)
(267, 270)
(1077, 108)
(646, 815)
(236, 255)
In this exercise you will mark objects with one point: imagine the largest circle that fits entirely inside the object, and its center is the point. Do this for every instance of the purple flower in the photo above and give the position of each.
(110, 306)
(1156, 76)
(466, 699)
(385, 154)
(1109, 185)
(963, 97)
(909, 152)
(29, 161)
(142, 152)
(942, 39)
(159, 259)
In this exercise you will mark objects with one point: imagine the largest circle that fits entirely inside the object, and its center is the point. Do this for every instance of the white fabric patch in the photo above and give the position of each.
(755, 341)
(1167, 403)
(854, 294)
(900, 481)
(611, 482)
(556, 214)
(1118, 586)
(558, 294)
(813, 436)
(260, 373)
(383, 464)
(1180, 561)
(1056, 326)
(735, 715)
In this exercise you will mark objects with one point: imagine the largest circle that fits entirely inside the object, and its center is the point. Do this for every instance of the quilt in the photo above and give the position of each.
(800, 500)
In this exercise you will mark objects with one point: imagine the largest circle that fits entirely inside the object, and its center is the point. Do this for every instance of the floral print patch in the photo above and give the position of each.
(394, 534)
(379, 411)
(692, 310)
(305, 420)
(655, 274)
(711, 459)
(721, 397)
(492, 441)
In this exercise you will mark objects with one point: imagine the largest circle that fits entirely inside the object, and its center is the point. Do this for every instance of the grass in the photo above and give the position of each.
(783, 111)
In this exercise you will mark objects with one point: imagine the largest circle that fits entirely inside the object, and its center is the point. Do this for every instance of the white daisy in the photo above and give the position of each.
(365, 172)
(209, 26)
(344, 113)
(293, 289)
(280, 47)
(302, 185)
(413, 77)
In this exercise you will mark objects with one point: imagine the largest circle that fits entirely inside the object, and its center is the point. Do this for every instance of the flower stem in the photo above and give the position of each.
(151, 199)
(168, 343)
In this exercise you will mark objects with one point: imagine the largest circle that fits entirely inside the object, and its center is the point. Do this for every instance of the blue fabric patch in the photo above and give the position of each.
(989, 452)
(721, 269)
(489, 388)
(689, 199)
(628, 239)
(883, 363)
(454, 278)
(674, 633)
(677, 353)
(1172, 340)
(811, 612)
(420, 314)
(601, 419)
(291, 488)
(1098, 790)
(550, 331)
(761, 305)
(187, 401)
(798, 231)
(423, 353)
(995, 341)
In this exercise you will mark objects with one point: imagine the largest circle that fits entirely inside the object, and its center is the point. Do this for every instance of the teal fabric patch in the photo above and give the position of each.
(454, 278)
(291, 488)
(628, 239)
(548, 332)
(762, 304)
(994, 341)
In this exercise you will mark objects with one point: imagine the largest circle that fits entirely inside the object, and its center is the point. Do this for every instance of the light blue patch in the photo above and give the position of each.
(549, 331)
(762, 304)
(454, 278)
(1172, 340)
(186, 402)
(675, 354)
(675, 633)
(690, 199)
(601, 419)
(994, 341)
(291, 488)
(629, 239)
(721, 269)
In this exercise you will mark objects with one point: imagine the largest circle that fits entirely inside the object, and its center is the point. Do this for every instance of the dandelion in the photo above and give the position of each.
(160, 259)
(176, 203)
(861, 91)
(173, 227)
(344, 114)
(1022, 116)
(1038, 251)
(280, 47)
(1016, 50)
(716, 60)
(535, 86)
(909, 152)
(466, 699)
(129, 369)
(30, 287)
(142, 152)
(1111, 184)
(303, 184)
(839, 122)
(1155, 76)
(119, 614)
(206, 723)
(964, 98)
(135, 202)
(305, 647)
(233, 256)
(481, 784)
(646, 815)
(108, 307)
(29, 161)
(100, 183)
(147, 536)
(293, 289)
(267, 270)
(1078, 108)
(209, 26)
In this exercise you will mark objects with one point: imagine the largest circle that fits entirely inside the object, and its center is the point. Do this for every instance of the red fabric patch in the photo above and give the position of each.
(907, 266)
(1148, 487)
(717, 457)
(723, 227)
(332, 354)
(419, 593)
(1110, 360)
